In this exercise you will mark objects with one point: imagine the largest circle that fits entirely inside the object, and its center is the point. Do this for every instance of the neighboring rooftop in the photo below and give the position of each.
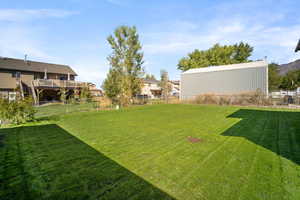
(175, 82)
(150, 81)
(227, 67)
(33, 66)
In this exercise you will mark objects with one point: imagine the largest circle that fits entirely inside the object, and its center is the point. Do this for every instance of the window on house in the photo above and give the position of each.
(63, 78)
(16, 74)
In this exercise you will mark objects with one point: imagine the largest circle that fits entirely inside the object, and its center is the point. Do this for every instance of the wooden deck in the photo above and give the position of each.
(52, 83)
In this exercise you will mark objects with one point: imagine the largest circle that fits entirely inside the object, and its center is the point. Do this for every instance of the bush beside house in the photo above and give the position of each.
(16, 112)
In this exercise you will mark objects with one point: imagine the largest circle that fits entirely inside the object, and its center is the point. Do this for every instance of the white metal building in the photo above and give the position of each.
(225, 79)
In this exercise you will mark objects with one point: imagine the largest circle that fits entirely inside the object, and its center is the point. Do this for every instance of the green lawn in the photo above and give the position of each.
(59, 109)
(145, 153)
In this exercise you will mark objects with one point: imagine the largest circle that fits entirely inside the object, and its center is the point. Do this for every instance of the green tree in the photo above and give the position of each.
(274, 77)
(165, 85)
(85, 95)
(124, 79)
(217, 55)
(291, 80)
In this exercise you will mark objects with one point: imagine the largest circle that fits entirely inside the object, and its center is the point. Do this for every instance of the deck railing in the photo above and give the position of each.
(53, 83)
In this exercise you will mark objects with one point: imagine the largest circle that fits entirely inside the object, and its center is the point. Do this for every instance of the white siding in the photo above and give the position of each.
(228, 81)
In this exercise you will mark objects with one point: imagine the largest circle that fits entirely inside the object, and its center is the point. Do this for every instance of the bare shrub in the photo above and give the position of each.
(174, 100)
(246, 98)
(211, 99)
(224, 100)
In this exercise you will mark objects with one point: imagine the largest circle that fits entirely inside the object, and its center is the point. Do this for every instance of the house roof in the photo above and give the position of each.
(33, 66)
(227, 67)
(151, 81)
(176, 82)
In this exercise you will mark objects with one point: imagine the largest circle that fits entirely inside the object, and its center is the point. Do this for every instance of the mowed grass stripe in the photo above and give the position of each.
(290, 171)
(226, 142)
(283, 150)
(200, 161)
(177, 175)
(264, 181)
(229, 176)
(262, 169)
(173, 160)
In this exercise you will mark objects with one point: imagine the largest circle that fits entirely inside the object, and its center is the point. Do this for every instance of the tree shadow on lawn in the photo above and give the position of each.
(277, 131)
(46, 162)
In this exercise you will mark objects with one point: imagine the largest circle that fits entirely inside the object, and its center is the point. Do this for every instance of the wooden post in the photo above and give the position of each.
(39, 91)
(38, 97)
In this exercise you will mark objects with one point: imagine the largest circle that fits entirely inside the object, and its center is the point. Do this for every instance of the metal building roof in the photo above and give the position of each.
(226, 67)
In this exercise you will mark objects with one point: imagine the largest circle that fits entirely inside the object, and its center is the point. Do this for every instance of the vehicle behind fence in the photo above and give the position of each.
(285, 97)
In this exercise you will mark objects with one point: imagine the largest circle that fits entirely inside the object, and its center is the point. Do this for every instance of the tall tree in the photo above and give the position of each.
(274, 77)
(124, 79)
(164, 84)
(291, 80)
(217, 55)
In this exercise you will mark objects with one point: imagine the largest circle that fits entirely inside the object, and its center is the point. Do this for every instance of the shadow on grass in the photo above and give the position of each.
(46, 162)
(277, 131)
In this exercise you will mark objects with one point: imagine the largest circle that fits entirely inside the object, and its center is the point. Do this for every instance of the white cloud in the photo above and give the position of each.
(15, 41)
(19, 37)
(118, 2)
(90, 70)
(30, 14)
(276, 42)
(231, 28)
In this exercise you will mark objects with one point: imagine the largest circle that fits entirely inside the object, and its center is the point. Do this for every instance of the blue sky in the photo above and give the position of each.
(74, 32)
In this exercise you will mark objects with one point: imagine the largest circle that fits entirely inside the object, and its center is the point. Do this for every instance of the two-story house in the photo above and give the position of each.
(42, 81)
(151, 89)
(175, 88)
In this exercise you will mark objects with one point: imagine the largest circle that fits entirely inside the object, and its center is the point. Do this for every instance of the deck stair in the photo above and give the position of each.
(33, 94)
(21, 89)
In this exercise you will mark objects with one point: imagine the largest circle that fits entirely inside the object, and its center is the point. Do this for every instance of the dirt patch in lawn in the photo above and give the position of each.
(194, 140)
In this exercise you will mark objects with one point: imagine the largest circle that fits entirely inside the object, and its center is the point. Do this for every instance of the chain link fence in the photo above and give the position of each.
(103, 103)
(246, 99)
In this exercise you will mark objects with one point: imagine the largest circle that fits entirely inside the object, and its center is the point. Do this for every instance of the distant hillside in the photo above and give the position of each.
(285, 68)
